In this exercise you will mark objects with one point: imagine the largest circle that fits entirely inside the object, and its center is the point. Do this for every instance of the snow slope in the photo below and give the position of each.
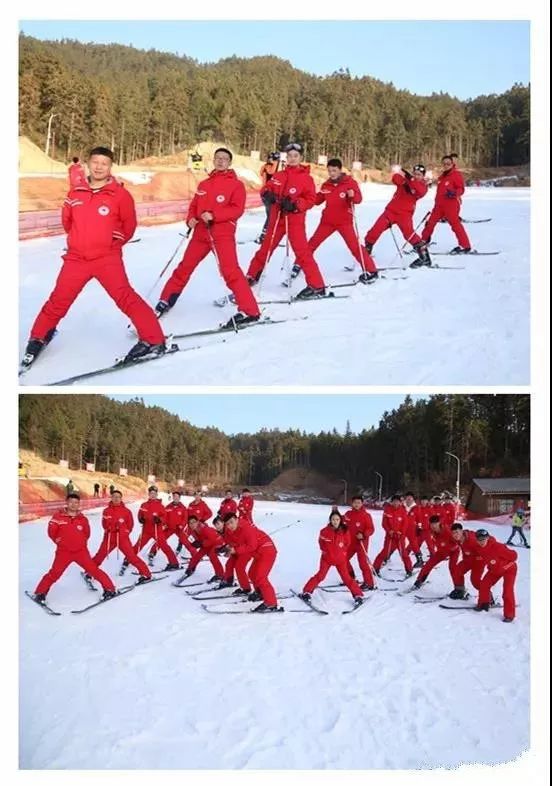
(152, 681)
(443, 327)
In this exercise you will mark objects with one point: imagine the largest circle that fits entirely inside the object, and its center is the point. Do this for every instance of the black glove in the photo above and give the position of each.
(450, 195)
(221, 550)
(407, 174)
(196, 544)
(269, 197)
(156, 519)
(188, 572)
(141, 518)
(288, 206)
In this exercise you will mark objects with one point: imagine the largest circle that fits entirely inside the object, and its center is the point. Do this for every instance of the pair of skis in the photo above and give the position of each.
(50, 611)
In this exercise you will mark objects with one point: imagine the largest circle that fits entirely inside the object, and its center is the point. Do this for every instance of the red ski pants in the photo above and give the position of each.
(110, 272)
(508, 598)
(342, 569)
(120, 540)
(181, 538)
(434, 560)
(263, 561)
(238, 563)
(459, 570)
(62, 560)
(212, 555)
(299, 245)
(390, 545)
(424, 536)
(152, 532)
(225, 247)
(450, 210)
(347, 231)
(386, 220)
(359, 548)
(413, 541)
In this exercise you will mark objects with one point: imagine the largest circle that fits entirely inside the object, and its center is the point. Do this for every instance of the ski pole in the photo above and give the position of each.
(418, 225)
(162, 273)
(215, 254)
(293, 523)
(287, 260)
(395, 242)
(270, 250)
(355, 225)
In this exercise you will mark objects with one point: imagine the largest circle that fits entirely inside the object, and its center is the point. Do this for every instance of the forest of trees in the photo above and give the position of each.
(490, 435)
(144, 103)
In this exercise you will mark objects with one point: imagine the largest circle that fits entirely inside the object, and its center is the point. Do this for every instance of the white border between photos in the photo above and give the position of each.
(533, 765)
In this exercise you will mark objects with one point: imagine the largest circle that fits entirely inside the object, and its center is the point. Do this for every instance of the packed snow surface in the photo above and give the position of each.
(467, 326)
(150, 680)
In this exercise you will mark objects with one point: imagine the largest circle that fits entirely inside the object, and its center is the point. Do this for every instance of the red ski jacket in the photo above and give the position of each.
(469, 545)
(200, 510)
(77, 175)
(334, 543)
(70, 533)
(359, 521)
(424, 512)
(247, 540)
(245, 508)
(117, 518)
(450, 186)
(444, 543)
(176, 517)
(497, 557)
(413, 516)
(407, 194)
(152, 512)
(98, 223)
(223, 195)
(448, 514)
(228, 506)
(395, 521)
(296, 183)
(207, 537)
(338, 205)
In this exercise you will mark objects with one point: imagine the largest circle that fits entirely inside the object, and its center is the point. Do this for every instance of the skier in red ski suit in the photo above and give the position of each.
(99, 217)
(235, 562)
(199, 508)
(70, 531)
(448, 512)
(207, 541)
(425, 511)
(395, 523)
(446, 547)
(292, 193)
(340, 193)
(334, 541)
(213, 215)
(500, 562)
(448, 202)
(360, 528)
(400, 211)
(176, 523)
(412, 522)
(118, 523)
(228, 504)
(245, 506)
(248, 542)
(471, 562)
(151, 516)
(77, 175)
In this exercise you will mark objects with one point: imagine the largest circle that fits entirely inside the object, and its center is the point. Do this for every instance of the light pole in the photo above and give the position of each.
(341, 480)
(380, 486)
(49, 134)
(457, 476)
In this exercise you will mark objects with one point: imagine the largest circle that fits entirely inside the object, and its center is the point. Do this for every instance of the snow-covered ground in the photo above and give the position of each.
(152, 681)
(439, 327)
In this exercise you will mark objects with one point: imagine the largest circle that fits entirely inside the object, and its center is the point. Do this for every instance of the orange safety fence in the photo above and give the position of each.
(29, 511)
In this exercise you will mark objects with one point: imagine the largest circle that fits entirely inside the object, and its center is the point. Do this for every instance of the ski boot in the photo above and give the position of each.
(408, 574)
(34, 348)
(142, 349)
(124, 566)
(151, 558)
(170, 566)
(225, 584)
(262, 608)
(240, 591)
(368, 246)
(419, 561)
(423, 256)
(252, 280)
(507, 619)
(253, 596)
(358, 602)
(310, 293)
(259, 240)
(459, 593)
(143, 580)
(240, 319)
(306, 596)
(459, 250)
(179, 548)
(482, 607)
(164, 306)
(368, 278)
(378, 574)
(40, 597)
(213, 579)
(108, 594)
(367, 587)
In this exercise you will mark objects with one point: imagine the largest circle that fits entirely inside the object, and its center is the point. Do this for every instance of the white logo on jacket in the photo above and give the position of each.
(104, 210)
(293, 190)
(342, 195)
(220, 198)
(79, 526)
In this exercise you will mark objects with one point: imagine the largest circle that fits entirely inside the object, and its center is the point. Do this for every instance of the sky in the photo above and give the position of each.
(458, 57)
(234, 413)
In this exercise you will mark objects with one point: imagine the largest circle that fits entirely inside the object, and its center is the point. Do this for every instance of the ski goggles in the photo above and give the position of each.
(419, 168)
(293, 146)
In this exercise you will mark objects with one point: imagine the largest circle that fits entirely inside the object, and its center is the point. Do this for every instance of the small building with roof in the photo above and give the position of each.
(496, 496)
